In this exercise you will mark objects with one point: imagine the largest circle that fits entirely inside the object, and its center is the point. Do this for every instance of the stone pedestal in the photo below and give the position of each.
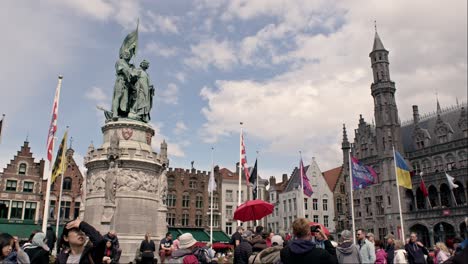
(126, 185)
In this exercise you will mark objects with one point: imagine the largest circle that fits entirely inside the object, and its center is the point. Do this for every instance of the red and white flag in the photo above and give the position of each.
(244, 160)
(53, 121)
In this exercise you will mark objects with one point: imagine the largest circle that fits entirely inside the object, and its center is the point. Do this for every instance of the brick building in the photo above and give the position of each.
(71, 192)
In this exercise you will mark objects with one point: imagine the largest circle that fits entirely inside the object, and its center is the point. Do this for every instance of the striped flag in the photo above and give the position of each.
(244, 160)
(306, 187)
(60, 159)
(53, 121)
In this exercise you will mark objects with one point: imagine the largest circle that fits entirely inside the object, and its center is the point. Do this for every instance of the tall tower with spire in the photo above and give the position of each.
(345, 146)
(387, 125)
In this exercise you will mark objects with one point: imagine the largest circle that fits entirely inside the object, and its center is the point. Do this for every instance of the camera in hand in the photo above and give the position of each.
(314, 229)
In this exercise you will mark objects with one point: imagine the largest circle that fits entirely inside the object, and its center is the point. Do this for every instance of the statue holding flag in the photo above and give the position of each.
(133, 93)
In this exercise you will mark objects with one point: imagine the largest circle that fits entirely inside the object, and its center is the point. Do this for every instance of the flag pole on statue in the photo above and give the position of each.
(50, 150)
(211, 189)
(352, 198)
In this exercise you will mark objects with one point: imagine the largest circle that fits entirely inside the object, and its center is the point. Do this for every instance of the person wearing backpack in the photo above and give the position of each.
(186, 252)
(38, 251)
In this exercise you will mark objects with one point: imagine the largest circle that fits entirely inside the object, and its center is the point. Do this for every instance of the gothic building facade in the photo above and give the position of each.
(437, 143)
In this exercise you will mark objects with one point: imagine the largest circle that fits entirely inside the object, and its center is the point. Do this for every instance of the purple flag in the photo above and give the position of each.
(305, 181)
(363, 175)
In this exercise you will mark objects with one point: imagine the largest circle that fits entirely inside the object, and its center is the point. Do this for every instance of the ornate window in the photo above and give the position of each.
(67, 184)
(185, 200)
(11, 185)
(199, 201)
(28, 187)
(22, 169)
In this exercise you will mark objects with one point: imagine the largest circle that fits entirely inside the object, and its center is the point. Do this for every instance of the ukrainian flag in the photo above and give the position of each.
(402, 172)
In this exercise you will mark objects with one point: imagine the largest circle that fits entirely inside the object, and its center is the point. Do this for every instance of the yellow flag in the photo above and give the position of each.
(59, 163)
(402, 171)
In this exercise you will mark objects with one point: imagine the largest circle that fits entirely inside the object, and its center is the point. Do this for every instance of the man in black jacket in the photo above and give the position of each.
(243, 251)
(303, 250)
(390, 249)
(415, 250)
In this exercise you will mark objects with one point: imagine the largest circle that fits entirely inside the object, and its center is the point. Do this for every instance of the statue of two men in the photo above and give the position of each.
(133, 93)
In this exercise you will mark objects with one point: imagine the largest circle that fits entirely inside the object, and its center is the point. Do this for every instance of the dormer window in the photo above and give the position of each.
(22, 169)
(443, 138)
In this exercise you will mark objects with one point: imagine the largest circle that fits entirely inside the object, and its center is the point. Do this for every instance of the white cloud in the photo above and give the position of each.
(170, 95)
(180, 128)
(180, 76)
(329, 78)
(98, 9)
(164, 24)
(211, 52)
(173, 149)
(161, 50)
(96, 94)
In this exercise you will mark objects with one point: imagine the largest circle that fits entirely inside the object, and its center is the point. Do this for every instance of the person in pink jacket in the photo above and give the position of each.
(380, 254)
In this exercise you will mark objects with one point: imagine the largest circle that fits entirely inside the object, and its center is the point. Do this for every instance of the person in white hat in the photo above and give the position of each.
(185, 254)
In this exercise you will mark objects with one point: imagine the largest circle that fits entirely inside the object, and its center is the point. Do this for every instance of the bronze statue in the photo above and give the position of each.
(133, 93)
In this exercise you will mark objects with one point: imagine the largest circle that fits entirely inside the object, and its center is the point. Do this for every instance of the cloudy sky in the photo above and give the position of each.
(292, 71)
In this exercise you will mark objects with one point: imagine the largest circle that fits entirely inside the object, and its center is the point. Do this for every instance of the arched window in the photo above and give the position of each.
(462, 159)
(199, 201)
(185, 218)
(426, 166)
(433, 196)
(420, 199)
(67, 183)
(416, 167)
(22, 169)
(198, 219)
(459, 193)
(438, 164)
(450, 162)
(445, 196)
(185, 200)
(171, 200)
(410, 200)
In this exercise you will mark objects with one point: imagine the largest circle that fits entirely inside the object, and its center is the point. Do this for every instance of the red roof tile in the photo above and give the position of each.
(331, 177)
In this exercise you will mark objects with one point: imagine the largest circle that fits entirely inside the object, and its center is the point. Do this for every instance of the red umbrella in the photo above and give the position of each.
(322, 227)
(253, 210)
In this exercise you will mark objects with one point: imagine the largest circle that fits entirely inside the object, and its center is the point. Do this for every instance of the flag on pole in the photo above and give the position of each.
(244, 160)
(306, 187)
(53, 122)
(363, 175)
(1, 125)
(402, 172)
(212, 183)
(451, 182)
(422, 186)
(60, 159)
(253, 180)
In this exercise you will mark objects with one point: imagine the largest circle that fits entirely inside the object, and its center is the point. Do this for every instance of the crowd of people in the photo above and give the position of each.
(310, 244)
(82, 243)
